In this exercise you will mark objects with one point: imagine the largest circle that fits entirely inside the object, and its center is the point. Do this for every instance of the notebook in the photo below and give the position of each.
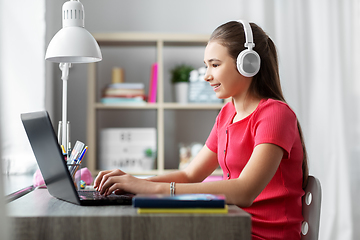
(223, 210)
(179, 201)
(53, 167)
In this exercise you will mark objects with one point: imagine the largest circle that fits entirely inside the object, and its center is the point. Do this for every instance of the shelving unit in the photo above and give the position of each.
(140, 39)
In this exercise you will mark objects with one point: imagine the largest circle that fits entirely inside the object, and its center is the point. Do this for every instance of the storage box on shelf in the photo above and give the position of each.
(94, 106)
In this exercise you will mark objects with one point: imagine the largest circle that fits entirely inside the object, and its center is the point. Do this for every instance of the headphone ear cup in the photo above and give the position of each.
(248, 63)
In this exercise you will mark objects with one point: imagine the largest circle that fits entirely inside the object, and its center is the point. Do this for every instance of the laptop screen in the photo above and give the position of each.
(48, 154)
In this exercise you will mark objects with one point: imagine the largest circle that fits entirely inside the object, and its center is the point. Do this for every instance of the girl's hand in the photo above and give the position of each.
(124, 183)
(104, 175)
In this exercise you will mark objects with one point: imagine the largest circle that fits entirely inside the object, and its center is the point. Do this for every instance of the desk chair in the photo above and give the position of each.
(311, 205)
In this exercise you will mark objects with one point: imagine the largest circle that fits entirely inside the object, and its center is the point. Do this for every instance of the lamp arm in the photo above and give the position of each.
(64, 76)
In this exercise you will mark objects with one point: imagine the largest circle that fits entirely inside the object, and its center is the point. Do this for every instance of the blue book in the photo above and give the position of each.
(179, 201)
(120, 100)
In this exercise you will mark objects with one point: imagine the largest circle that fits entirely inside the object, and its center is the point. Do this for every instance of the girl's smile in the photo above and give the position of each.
(215, 86)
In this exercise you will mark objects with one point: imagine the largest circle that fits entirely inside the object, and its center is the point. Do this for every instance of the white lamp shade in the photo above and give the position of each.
(73, 45)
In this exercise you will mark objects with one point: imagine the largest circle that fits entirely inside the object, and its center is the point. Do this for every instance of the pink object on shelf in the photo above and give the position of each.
(153, 83)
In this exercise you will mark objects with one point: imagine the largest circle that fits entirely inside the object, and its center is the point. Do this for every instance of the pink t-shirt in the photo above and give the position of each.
(277, 211)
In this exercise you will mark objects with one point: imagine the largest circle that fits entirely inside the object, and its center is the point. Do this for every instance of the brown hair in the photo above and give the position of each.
(266, 83)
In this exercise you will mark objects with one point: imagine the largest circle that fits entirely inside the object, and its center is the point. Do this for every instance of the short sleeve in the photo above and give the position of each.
(276, 123)
(212, 140)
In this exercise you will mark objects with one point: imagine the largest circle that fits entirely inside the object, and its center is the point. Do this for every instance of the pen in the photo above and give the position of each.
(59, 131)
(64, 152)
(82, 154)
(76, 151)
(77, 161)
(69, 152)
(68, 135)
(63, 149)
(81, 158)
(69, 148)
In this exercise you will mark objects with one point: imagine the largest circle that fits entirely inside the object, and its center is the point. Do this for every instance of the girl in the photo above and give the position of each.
(256, 139)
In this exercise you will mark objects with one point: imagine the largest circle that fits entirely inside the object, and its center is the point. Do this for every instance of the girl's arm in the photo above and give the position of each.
(242, 191)
(204, 163)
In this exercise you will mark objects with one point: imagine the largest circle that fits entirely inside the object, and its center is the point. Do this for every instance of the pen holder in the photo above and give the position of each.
(74, 169)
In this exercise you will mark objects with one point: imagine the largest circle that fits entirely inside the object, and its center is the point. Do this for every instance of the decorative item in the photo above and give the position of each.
(117, 75)
(180, 80)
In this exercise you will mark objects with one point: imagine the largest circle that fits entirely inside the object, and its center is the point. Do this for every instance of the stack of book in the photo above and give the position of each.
(182, 203)
(124, 93)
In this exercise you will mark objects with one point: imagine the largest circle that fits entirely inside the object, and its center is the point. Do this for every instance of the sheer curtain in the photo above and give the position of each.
(22, 78)
(4, 234)
(318, 52)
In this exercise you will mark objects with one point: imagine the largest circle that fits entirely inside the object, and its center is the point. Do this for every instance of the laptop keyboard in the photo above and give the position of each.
(97, 196)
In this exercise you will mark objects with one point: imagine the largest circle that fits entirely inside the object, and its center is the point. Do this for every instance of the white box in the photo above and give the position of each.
(129, 149)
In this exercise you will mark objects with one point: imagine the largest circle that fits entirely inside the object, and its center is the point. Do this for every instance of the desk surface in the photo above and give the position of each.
(38, 215)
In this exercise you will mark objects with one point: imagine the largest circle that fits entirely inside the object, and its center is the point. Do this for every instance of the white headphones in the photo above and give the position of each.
(248, 61)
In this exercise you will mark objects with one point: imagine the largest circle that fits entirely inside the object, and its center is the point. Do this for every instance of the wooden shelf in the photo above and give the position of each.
(217, 172)
(190, 106)
(195, 106)
(126, 106)
(133, 38)
(158, 40)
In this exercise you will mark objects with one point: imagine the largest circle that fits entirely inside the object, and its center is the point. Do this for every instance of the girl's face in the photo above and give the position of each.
(222, 73)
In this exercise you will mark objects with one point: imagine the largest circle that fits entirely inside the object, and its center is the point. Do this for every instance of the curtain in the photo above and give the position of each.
(318, 58)
(4, 234)
(22, 78)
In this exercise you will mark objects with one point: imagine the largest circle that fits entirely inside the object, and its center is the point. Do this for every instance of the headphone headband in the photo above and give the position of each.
(249, 41)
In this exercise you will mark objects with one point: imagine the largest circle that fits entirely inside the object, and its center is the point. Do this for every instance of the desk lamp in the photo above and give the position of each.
(72, 44)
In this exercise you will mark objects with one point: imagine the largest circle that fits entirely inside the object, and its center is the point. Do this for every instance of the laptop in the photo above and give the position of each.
(53, 166)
